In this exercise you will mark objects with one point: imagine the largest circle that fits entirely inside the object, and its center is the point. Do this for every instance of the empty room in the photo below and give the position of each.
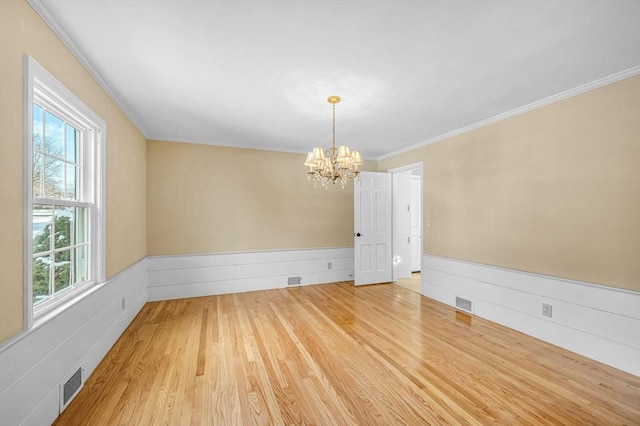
(319, 212)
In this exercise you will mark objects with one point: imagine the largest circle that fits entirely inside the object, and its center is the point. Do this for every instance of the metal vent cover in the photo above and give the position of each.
(464, 304)
(294, 281)
(70, 387)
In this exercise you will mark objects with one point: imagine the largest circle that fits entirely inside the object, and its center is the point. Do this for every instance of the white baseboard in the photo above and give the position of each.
(32, 365)
(176, 277)
(599, 322)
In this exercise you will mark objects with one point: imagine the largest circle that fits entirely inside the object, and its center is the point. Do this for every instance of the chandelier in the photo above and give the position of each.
(335, 164)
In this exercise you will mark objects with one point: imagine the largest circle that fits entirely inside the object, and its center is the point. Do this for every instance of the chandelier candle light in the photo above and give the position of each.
(333, 164)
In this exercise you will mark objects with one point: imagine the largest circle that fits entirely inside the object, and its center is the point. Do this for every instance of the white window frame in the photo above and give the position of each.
(41, 87)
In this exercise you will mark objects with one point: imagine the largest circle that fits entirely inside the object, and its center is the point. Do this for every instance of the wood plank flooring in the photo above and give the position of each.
(336, 354)
(412, 283)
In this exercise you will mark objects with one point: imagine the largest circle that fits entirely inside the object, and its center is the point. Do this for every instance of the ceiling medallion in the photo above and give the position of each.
(335, 164)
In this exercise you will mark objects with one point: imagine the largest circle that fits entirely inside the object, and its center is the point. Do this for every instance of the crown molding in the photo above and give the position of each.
(221, 144)
(520, 110)
(40, 7)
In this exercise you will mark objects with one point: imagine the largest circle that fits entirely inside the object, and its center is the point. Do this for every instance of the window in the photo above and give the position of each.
(64, 155)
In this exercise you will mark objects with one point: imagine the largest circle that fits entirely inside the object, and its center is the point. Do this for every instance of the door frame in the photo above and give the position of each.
(419, 166)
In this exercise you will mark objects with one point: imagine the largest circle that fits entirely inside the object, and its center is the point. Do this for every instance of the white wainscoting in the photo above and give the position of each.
(599, 322)
(33, 364)
(177, 277)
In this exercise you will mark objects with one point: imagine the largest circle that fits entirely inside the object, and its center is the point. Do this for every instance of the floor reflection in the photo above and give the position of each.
(412, 283)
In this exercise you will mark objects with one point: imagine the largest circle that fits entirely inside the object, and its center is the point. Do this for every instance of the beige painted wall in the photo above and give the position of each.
(554, 191)
(206, 199)
(22, 32)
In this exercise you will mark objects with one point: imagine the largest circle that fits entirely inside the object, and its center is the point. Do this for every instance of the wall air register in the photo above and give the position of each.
(294, 281)
(70, 386)
(464, 305)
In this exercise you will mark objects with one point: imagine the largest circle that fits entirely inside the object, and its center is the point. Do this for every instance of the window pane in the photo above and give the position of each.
(53, 135)
(62, 270)
(37, 127)
(42, 217)
(53, 177)
(63, 226)
(82, 226)
(72, 174)
(41, 279)
(81, 264)
(38, 174)
(71, 144)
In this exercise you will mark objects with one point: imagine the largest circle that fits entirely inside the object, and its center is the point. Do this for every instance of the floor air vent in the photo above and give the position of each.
(294, 281)
(464, 304)
(70, 386)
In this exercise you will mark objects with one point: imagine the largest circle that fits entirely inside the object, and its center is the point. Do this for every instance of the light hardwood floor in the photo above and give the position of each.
(412, 283)
(337, 354)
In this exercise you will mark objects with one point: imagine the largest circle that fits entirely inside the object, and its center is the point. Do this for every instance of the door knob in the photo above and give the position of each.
(358, 234)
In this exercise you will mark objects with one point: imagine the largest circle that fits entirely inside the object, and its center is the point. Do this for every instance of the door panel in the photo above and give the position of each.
(365, 265)
(372, 220)
(381, 256)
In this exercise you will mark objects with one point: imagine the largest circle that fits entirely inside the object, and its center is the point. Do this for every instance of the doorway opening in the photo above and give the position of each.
(407, 226)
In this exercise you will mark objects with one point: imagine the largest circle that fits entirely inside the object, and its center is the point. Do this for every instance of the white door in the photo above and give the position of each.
(401, 225)
(416, 222)
(372, 228)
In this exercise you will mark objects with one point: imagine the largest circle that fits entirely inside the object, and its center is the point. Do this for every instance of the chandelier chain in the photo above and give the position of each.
(333, 149)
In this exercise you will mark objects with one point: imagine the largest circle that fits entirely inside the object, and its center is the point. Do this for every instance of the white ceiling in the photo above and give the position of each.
(257, 73)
